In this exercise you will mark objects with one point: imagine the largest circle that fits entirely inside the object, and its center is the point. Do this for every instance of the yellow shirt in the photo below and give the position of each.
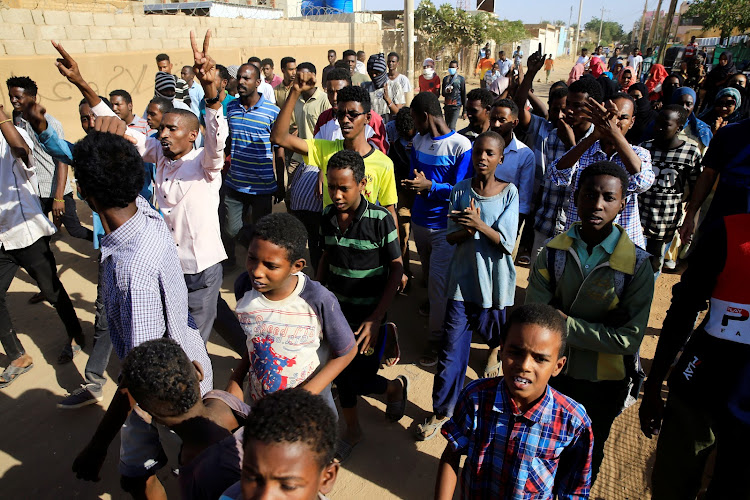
(381, 181)
(306, 115)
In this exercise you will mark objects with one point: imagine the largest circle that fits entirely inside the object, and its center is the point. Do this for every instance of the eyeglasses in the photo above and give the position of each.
(728, 103)
(353, 115)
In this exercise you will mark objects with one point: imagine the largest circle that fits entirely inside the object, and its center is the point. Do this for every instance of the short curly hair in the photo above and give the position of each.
(404, 122)
(283, 230)
(22, 82)
(542, 315)
(161, 378)
(587, 86)
(426, 102)
(355, 93)
(604, 167)
(484, 96)
(294, 416)
(348, 159)
(109, 168)
(507, 103)
(339, 74)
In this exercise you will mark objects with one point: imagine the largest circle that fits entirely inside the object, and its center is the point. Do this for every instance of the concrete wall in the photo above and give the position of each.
(118, 50)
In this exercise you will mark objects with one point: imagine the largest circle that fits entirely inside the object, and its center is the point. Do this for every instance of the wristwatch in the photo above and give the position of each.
(211, 101)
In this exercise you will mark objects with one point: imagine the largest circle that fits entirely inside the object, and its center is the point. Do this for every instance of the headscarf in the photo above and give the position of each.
(734, 94)
(698, 127)
(657, 74)
(597, 67)
(719, 72)
(625, 84)
(428, 62)
(576, 73)
(164, 81)
(376, 64)
(644, 117)
(608, 85)
(181, 92)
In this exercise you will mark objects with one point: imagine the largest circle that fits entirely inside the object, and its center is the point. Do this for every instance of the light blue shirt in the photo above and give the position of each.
(480, 271)
(600, 253)
(196, 97)
(519, 167)
(504, 66)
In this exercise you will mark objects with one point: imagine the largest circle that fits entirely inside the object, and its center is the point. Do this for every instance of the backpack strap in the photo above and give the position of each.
(622, 280)
(556, 260)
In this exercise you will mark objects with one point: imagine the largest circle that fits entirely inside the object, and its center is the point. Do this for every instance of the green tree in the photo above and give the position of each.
(724, 15)
(612, 32)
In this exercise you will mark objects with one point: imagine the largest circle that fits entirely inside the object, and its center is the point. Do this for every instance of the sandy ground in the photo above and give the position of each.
(40, 442)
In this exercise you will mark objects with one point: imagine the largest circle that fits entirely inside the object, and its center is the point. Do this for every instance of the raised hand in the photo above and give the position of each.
(304, 81)
(535, 61)
(67, 66)
(113, 125)
(204, 66)
(34, 114)
(603, 118)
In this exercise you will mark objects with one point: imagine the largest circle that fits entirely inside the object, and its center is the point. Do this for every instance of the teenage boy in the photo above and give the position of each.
(331, 65)
(253, 183)
(505, 64)
(163, 63)
(195, 90)
(483, 223)
(603, 285)
(155, 111)
(386, 96)
(288, 70)
(709, 389)
(441, 157)
(296, 333)
(361, 67)
(290, 440)
(187, 182)
(222, 80)
(477, 110)
(454, 93)
(122, 105)
(484, 64)
(394, 75)
(572, 126)
(521, 437)
(144, 294)
(266, 66)
(400, 154)
(160, 378)
(677, 165)
(350, 58)
(608, 142)
(328, 126)
(24, 234)
(365, 275)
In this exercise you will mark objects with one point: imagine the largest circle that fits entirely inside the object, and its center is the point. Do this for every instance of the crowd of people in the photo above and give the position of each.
(595, 190)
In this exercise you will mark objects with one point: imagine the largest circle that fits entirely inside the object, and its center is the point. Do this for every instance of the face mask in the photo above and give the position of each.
(452, 71)
(428, 72)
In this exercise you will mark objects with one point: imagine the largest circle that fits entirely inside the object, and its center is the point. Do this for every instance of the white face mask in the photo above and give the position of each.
(428, 72)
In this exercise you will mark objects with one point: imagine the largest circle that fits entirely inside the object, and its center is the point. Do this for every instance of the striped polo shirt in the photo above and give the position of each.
(359, 258)
(251, 168)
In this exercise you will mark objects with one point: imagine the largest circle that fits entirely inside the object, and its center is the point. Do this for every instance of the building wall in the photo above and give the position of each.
(118, 50)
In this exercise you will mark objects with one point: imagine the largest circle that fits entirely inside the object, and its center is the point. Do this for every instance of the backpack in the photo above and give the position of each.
(556, 260)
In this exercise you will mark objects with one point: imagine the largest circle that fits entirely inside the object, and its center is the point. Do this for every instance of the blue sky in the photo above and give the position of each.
(533, 11)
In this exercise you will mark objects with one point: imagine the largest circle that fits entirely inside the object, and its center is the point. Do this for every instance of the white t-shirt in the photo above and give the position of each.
(403, 81)
(583, 60)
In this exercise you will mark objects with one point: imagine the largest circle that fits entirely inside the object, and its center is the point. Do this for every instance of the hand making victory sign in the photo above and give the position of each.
(205, 68)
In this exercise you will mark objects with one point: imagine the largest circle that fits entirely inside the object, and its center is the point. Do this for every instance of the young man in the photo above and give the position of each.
(400, 154)
(603, 285)
(267, 68)
(520, 436)
(477, 111)
(635, 61)
(328, 126)
(290, 441)
(155, 111)
(163, 63)
(517, 57)
(122, 105)
(161, 379)
(186, 184)
(222, 80)
(195, 90)
(505, 64)
(646, 64)
(584, 57)
(518, 160)
(288, 70)
(454, 92)
(608, 143)
(484, 64)
(395, 76)
(614, 60)
(440, 158)
(275, 299)
(253, 183)
(386, 96)
(365, 275)
(706, 409)
(144, 293)
(676, 164)
(350, 58)
(263, 87)
(429, 81)
(24, 235)
(361, 67)
(55, 191)
(331, 65)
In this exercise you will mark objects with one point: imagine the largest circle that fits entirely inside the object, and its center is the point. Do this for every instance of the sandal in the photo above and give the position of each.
(69, 352)
(343, 450)
(395, 411)
(494, 369)
(524, 260)
(429, 357)
(430, 428)
(37, 298)
(11, 373)
(393, 350)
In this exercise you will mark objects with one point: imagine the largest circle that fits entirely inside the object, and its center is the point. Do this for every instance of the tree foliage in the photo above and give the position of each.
(612, 32)
(724, 15)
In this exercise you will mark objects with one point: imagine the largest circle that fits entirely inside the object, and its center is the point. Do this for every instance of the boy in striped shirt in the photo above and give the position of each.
(362, 266)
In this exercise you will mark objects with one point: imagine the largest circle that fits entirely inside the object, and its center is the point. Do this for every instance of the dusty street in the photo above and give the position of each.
(39, 441)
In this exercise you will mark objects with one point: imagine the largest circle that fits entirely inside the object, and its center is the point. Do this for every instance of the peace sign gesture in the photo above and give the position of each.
(205, 66)
(67, 66)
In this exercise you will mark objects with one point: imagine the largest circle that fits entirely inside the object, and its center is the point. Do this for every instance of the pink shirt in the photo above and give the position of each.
(187, 191)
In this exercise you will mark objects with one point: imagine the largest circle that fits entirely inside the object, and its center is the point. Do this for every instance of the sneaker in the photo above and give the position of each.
(82, 396)
(670, 264)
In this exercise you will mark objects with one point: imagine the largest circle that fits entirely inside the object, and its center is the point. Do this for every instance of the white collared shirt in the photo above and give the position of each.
(21, 219)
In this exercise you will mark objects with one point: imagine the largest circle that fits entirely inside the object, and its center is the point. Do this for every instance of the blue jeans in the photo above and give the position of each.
(435, 255)
(461, 320)
(102, 348)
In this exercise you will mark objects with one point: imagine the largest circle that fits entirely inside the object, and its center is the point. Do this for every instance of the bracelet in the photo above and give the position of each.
(6, 121)
(58, 200)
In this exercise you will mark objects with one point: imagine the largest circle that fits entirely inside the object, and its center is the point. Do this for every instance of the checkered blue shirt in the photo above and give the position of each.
(515, 455)
(630, 217)
(144, 289)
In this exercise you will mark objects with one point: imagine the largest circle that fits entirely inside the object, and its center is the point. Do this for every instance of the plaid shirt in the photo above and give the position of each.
(630, 217)
(661, 206)
(550, 216)
(514, 455)
(144, 289)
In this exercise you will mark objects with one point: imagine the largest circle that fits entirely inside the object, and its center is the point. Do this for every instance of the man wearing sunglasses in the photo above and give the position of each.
(353, 113)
